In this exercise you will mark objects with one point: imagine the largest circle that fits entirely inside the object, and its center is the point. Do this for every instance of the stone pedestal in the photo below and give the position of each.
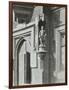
(42, 53)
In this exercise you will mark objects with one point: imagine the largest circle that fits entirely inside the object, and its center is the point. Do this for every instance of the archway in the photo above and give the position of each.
(23, 62)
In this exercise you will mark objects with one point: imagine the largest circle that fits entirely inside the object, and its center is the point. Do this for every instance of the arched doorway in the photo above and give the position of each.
(23, 63)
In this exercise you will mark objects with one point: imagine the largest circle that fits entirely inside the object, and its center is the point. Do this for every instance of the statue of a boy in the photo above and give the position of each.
(42, 36)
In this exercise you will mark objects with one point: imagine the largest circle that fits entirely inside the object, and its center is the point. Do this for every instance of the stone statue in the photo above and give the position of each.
(42, 36)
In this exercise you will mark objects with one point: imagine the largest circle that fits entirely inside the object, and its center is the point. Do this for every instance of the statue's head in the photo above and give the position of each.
(41, 17)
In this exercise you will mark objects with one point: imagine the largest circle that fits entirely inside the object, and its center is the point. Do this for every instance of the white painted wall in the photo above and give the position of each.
(4, 47)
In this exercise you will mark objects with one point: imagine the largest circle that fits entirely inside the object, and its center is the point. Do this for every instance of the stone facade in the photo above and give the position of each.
(34, 64)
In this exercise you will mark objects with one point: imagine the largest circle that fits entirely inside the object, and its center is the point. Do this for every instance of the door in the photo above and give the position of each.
(27, 69)
(23, 64)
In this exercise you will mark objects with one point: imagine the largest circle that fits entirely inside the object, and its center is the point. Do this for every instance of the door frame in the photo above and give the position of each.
(57, 33)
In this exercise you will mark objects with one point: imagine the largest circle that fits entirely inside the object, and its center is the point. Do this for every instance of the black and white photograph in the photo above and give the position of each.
(38, 44)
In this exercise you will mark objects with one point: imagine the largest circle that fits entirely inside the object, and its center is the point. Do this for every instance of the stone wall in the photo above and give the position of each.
(54, 19)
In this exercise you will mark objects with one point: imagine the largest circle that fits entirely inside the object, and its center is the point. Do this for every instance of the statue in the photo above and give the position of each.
(42, 36)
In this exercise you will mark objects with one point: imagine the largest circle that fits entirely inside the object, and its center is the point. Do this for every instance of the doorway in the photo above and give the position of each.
(23, 63)
(60, 54)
